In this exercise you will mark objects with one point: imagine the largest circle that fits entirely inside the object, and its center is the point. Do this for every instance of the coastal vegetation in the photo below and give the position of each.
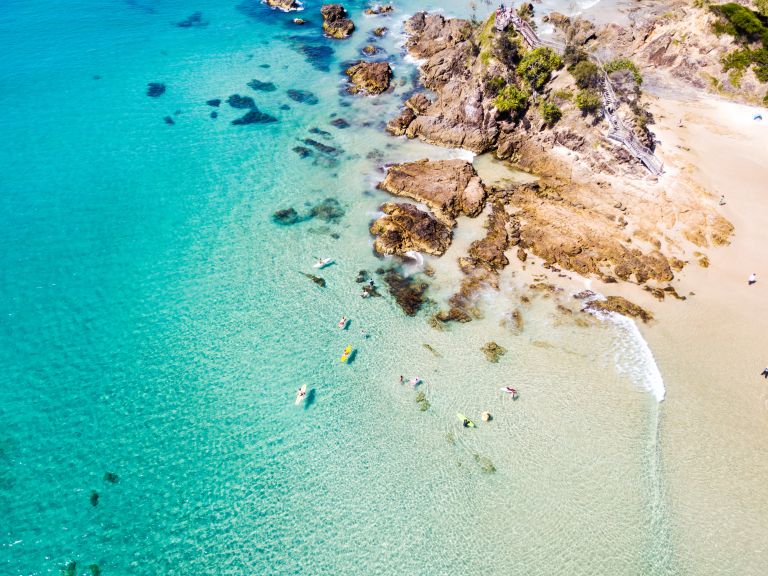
(511, 99)
(624, 64)
(749, 28)
(588, 101)
(550, 112)
(537, 65)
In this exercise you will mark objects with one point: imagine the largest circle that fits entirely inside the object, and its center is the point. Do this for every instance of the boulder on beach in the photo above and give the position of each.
(404, 228)
(369, 77)
(335, 21)
(379, 9)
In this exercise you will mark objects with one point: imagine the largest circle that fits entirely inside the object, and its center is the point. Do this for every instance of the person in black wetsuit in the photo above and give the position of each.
(764, 373)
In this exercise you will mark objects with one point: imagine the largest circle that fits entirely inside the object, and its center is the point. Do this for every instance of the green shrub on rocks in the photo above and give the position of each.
(550, 112)
(624, 64)
(587, 74)
(537, 66)
(511, 99)
(588, 101)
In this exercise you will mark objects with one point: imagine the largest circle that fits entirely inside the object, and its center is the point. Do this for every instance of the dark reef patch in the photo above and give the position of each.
(215, 102)
(155, 89)
(406, 290)
(324, 148)
(302, 151)
(168, 120)
(241, 102)
(260, 86)
(303, 96)
(254, 116)
(329, 210)
(195, 20)
(340, 123)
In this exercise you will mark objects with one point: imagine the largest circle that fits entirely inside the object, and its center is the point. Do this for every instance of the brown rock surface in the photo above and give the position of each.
(335, 21)
(369, 77)
(448, 187)
(284, 5)
(619, 305)
(404, 227)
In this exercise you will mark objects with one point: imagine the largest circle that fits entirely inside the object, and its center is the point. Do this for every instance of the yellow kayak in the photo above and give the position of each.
(347, 352)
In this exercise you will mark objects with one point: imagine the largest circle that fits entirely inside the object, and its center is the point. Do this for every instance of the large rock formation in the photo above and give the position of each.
(448, 187)
(369, 77)
(404, 228)
(284, 5)
(335, 21)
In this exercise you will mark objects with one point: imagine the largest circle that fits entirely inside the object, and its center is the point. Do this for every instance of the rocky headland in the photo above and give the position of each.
(594, 210)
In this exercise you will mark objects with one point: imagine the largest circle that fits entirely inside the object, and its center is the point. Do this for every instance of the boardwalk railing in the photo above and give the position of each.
(619, 133)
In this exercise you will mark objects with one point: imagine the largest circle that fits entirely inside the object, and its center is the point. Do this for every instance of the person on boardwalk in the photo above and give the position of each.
(752, 279)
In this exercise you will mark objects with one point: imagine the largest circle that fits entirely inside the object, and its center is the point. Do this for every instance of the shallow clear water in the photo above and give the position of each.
(155, 324)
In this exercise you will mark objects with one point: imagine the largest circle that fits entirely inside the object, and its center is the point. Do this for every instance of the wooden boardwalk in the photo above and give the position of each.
(618, 132)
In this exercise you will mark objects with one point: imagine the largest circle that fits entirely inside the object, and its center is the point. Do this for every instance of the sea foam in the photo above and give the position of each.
(632, 354)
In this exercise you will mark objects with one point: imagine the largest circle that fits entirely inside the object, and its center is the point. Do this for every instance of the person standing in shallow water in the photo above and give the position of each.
(752, 279)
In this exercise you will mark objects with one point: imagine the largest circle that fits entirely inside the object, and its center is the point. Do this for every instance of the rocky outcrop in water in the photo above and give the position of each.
(448, 187)
(335, 21)
(284, 5)
(369, 77)
(409, 293)
(404, 228)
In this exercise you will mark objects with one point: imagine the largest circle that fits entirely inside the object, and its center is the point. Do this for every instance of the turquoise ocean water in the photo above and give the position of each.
(154, 323)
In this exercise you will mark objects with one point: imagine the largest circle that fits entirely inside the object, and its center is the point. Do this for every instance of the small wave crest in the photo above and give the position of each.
(633, 356)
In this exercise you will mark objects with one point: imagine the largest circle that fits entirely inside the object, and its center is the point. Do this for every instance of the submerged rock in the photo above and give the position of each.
(329, 210)
(241, 102)
(407, 291)
(94, 498)
(214, 114)
(369, 77)
(215, 102)
(193, 21)
(254, 117)
(260, 86)
(286, 217)
(493, 351)
(340, 123)
(362, 276)
(111, 477)
(316, 279)
(335, 21)
(369, 49)
(302, 151)
(325, 134)
(303, 96)
(620, 305)
(155, 89)
(95, 570)
(319, 56)
(324, 148)
(448, 187)
(404, 228)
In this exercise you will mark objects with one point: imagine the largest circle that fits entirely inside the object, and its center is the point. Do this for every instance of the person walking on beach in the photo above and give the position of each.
(722, 201)
(752, 279)
(764, 373)
(401, 378)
